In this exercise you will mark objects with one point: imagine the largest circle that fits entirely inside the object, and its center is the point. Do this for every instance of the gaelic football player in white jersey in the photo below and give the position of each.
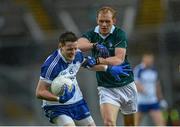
(71, 109)
(149, 91)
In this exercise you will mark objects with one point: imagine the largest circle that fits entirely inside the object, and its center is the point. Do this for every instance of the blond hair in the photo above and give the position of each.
(107, 9)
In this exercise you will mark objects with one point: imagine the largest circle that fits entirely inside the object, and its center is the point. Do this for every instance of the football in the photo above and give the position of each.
(58, 84)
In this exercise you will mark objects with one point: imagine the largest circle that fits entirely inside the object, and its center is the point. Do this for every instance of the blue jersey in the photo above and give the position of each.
(56, 65)
(148, 77)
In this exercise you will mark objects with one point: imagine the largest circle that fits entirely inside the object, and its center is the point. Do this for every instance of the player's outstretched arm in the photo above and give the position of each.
(92, 64)
(118, 70)
(101, 50)
(119, 57)
(115, 71)
(84, 44)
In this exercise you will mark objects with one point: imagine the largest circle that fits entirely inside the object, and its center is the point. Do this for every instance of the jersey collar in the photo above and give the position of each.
(145, 67)
(96, 30)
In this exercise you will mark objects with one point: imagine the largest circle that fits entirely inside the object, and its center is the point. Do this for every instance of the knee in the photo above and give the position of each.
(109, 122)
(92, 124)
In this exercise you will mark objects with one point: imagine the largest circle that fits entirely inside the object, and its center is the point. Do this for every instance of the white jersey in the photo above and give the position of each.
(56, 65)
(148, 77)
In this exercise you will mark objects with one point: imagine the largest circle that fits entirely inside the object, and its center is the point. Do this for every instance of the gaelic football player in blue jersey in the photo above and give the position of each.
(69, 109)
(149, 91)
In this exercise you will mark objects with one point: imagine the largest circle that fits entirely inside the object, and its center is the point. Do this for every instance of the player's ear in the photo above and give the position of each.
(114, 20)
(61, 45)
(97, 20)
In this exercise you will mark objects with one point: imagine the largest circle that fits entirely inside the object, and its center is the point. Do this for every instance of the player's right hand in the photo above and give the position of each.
(118, 70)
(67, 95)
(101, 49)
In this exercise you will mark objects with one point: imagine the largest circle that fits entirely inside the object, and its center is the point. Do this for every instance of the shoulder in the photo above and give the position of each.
(53, 57)
(49, 69)
(138, 71)
(120, 35)
(138, 68)
(89, 34)
(79, 56)
(79, 53)
(91, 30)
(119, 31)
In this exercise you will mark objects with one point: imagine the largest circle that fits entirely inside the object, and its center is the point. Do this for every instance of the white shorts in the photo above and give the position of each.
(124, 97)
(64, 120)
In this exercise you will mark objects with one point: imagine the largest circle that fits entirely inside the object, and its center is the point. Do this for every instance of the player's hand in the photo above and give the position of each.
(163, 104)
(90, 62)
(101, 49)
(118, 70)
(67, 95)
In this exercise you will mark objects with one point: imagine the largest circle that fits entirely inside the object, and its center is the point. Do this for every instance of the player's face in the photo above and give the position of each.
(148, 60)
(105, 22)
(68, 50)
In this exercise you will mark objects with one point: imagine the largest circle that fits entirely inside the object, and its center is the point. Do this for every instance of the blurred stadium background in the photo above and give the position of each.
(29, 31)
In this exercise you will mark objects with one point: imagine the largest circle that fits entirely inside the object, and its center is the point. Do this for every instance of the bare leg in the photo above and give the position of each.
(138, 118)
(64, 120)
(92, 124)
(88, 121)
(69, 125)
(129, 120)
(109, 114)
(157, 117)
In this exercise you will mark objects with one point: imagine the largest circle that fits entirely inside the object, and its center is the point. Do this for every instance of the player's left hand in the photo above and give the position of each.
(90, 62)
(117, 70)
(163, 104)
(67, 95)
(101, 49)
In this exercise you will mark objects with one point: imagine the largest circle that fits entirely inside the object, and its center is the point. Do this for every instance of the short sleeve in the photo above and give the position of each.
(79, 56)
(49, 69)
(122, 39)
(48, 75)
(43, 75)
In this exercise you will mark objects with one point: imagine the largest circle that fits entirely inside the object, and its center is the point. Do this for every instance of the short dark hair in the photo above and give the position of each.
(67, 37)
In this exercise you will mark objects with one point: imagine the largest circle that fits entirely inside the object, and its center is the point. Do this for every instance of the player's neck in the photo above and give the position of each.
(65, 58)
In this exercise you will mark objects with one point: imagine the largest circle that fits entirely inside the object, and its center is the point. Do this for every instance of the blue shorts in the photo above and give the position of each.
(147, 107)
(76, 111)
